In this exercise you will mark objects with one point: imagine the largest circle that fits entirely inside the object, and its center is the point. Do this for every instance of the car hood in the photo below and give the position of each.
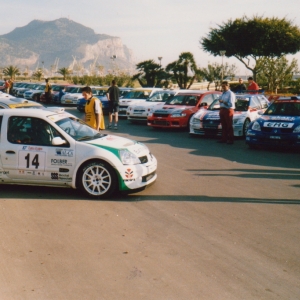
(115, 143)
(286, 119)
(172, 109)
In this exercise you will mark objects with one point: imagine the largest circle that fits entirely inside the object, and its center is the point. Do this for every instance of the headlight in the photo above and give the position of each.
(256, 126)
(178, 115)
(128, 158)
(297, 129)
(195, 121)
(238, 120)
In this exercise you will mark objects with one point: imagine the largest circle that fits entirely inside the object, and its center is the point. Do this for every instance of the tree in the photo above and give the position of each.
(277, 72)
(184, 71)
(150, 74)
(38, 74)
(64, 72)
(251, 39)
(11, 71)
(213, 73)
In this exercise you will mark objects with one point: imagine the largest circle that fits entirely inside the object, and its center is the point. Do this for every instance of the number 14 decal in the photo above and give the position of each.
(32, 160)
(35, 161)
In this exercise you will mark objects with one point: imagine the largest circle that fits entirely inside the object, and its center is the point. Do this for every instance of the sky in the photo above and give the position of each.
(151, 28)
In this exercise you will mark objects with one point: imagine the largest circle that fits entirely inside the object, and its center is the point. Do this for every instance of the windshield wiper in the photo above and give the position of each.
(86, 137)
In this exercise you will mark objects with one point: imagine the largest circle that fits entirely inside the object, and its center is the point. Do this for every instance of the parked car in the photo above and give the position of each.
(35, 94)
(44, 148)
(247, 109)
(30, 86)
(14, 102)
(138, 112)
(73, 93)
(278, 126)
(177, 112)
(18, 85)
(135, 95)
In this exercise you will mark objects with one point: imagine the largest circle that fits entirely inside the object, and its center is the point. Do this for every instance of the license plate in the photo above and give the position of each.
(275, 137)
(122, 109)
(69, 101)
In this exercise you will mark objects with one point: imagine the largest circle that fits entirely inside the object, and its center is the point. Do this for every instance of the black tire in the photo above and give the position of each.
(245, 127)
(97, 179)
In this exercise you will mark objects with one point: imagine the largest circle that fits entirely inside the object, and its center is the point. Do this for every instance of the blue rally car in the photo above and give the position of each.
(278, 126)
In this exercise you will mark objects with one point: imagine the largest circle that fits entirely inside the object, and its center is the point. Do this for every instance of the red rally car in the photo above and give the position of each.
(176, 112)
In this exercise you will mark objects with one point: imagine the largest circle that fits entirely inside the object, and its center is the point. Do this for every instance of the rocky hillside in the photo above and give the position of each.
(73, 44)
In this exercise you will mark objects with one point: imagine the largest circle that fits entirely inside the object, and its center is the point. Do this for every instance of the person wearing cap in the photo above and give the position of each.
(227, 106)
(252, 86)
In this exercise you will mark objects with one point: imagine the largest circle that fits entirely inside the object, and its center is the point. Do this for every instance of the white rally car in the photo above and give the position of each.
(47, 148)
(138, 112)
(135, 96)
(248, 107)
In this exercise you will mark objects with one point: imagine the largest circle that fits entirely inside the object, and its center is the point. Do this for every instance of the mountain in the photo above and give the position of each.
(66, 41)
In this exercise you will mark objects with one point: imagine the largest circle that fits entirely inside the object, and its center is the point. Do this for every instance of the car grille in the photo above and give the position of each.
(160, 115)
(279, 130)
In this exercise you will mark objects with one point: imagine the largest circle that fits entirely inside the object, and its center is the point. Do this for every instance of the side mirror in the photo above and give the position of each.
(203, 104)
(57, 141)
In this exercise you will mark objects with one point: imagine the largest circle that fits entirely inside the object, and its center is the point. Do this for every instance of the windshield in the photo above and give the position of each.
(57, 88)
(161, 96)
(242, 104)
(215, 105)
(137, 95)
(287, 108)
(73, 90)
(101, 92)
(78, 130)
(183, 100)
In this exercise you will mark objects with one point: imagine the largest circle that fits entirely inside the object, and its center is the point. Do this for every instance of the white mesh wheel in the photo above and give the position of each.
(98, 179)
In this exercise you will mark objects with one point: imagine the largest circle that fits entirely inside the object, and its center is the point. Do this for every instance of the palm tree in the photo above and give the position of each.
(38, 73)
(184, 70)
(64, 72)
(11, 71)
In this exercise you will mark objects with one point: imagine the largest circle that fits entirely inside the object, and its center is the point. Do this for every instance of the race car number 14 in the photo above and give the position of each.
(32, 160)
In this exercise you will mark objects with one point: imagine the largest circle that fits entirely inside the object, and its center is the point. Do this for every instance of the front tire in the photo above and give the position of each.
(245, 127)
(97, 179)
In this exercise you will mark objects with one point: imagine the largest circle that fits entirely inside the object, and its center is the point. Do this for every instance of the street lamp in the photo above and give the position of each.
(160, 58)
(222, 53)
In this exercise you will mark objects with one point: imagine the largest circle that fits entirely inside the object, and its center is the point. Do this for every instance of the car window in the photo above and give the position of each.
(31, 131)
(263, 101)
(208, 99)
(284, 109)
(255, 103)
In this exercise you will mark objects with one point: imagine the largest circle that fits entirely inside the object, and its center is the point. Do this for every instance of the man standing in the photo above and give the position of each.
(113, 95)
(48, 91)
(241, 88)
(93, 109)
(252, 86)
(227, 106)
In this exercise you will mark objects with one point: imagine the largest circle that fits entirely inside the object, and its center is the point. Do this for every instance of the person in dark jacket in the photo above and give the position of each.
(241, 87)
(113, 95)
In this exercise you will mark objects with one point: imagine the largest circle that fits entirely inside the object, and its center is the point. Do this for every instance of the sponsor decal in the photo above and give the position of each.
(281, 118)
(278, 125)
(54, 176)
(111, 138)
(64, 152)
(32, 148)
(60, 162)
(4, 173)
(128, 174)
(62, 177)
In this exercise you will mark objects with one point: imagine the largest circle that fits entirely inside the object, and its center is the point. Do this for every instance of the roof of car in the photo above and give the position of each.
(31, 112)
